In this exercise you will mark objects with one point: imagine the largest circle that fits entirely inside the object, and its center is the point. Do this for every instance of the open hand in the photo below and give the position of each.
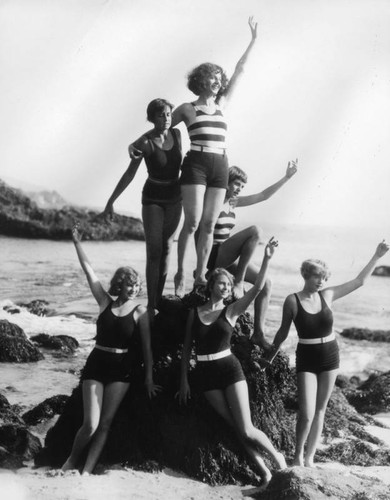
(184, 393)
(152, 389)
(270, 247)
(253, 27)
(292, 168)
(381, 249)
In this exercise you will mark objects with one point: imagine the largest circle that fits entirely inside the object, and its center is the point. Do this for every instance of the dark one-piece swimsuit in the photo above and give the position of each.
(113, 332)
(211, 339)
(315, 358)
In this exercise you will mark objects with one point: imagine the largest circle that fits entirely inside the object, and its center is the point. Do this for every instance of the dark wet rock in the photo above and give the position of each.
(21, 217)
(8, 414)
(193, 438)
(15, 347)
(301, 483)
(12, 309)
(37, 307)
(18, 441)
(64, 343)
(46, 410)
(373, 395)
(9, 460)
(4, 404)
(382, 271)
(366, 334)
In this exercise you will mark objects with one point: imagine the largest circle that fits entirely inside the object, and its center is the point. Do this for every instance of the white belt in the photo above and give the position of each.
(212, 357)
(111, 349)
(208, 149)
(318, 340)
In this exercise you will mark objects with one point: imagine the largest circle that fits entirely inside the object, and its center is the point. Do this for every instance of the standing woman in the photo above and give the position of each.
(317, 355)
(219, 372)
(205, 168)
(106, 375)
(161, 198)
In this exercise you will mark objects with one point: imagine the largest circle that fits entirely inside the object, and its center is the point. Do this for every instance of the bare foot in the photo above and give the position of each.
(265, 481)
(200, 282)
(68, 465)
(280, 461)
(309, 463)
(298, 461)
(180, 284)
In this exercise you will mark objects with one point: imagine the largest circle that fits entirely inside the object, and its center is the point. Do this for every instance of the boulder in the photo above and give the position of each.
(382, 271)
(373, 395)
(18, 441)
(37, 307)
(46, 410)
(15, 347)
(366, 334)
(63, 343)
(302, 483)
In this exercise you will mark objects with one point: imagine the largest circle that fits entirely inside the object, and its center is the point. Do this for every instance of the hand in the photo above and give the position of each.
(108, 213)
(270, 247)
(259, 340)
(253, 27)
(152, 389)
(135, 154)
(292, 168)
(381, 249)
(76, 234)
(184, 394)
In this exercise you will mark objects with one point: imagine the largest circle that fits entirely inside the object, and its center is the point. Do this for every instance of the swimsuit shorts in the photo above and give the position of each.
(218, 374)
(161, 194)
(207, 169)
(107, 367)
(317, 358)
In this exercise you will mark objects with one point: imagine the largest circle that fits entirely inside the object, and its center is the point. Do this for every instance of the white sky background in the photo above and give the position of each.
(76, 76)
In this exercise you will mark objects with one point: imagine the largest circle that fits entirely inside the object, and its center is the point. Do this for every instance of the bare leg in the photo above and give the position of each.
(217, 400)
(213, 201)
(326, 381)
(307, 395)
(192, 195)
(92, 404)
(112, 397)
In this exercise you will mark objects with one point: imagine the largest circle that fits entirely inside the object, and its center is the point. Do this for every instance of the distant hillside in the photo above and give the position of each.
(22, 217)
(47, 199)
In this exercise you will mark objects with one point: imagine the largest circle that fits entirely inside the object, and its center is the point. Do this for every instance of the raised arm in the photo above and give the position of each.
(241, 63)
(101, 296)
(141, 317)
(245, 201)
(185, 391)
(336, 292)
(236, 308)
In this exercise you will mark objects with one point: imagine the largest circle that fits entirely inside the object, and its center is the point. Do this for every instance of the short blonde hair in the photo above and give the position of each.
(311, 266)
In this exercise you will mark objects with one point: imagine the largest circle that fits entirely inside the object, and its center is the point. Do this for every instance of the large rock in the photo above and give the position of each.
(366, 334)
(46, 410)
(19, 442)
(373, 395)
(301, 483)
(65, 344)
(21, 217)
(382, 271)
(15, 347)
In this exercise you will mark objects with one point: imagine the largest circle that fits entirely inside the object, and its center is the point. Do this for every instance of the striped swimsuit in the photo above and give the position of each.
(222, 230)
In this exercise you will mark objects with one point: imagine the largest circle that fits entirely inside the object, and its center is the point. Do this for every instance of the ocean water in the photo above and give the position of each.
(41, 269)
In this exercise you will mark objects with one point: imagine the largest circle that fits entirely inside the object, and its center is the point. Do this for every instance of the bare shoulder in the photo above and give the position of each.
(290, 304)
(139, 310)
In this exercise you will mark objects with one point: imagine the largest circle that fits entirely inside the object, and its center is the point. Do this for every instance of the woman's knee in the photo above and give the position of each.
(89, 427)
(255, 233)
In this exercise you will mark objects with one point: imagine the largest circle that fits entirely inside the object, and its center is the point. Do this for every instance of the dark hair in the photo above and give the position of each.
(218, 271)
(156, 106)
(235, 173)
(123, 275)
(197, 78)
(311, 266)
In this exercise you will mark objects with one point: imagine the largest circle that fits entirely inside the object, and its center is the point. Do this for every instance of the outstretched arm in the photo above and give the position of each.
(240, 306)
(101, 296)
(142, 317)
(123, 183)
(241, 63)
(245, 201)
(336, 292)
(185, 391)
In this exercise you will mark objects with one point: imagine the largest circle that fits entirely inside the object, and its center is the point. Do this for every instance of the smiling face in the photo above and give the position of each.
(214, 83)
(130, 290)
(234, 188)
(163, 119)
(222, 287)
(315, 281)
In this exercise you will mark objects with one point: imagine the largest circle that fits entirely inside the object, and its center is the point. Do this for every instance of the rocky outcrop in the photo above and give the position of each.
(382, 271)
(46, 410)
(373, 395)
(301, 483)
(21, 217)
(64, 344)
(366, 334)
(38, 307)
(15, 347)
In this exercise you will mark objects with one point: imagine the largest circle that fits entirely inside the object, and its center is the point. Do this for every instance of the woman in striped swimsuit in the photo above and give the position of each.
(205, 168)
(317, 355)
(219, 373)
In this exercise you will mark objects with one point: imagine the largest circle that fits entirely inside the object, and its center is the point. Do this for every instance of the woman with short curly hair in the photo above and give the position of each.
(106, 375)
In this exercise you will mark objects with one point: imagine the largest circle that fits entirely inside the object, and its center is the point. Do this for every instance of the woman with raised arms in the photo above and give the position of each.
(219, 372)
(107, 373)
(317, 355)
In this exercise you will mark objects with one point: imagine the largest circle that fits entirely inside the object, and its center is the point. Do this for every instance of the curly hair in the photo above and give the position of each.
(123, 275)
(196, 79)
(235, 173)
(214, 275)
(156, 106)
(311, 266)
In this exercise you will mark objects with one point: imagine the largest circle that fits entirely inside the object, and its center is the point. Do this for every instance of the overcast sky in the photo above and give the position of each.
(77, 75)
